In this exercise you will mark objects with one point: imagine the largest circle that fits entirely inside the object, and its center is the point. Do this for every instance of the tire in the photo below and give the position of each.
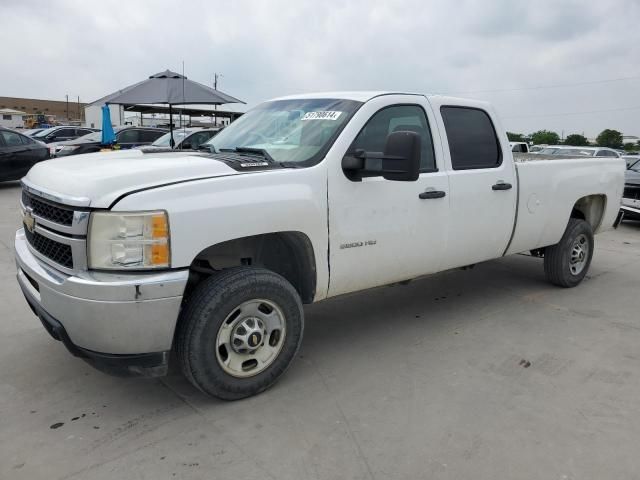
(567, 262)
(223, 316)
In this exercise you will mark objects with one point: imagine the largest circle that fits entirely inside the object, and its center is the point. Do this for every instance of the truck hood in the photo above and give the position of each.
(98, 179)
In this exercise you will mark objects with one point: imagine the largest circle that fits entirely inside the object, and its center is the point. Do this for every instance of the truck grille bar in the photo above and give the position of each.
(56, 233)
(47, 210)
(55, 251)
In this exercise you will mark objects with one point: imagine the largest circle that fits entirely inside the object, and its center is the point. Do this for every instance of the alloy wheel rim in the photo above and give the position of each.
(579, 254)
(250, 338)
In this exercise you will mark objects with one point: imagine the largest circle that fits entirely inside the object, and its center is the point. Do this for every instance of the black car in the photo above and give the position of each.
(18, 153)
(126, 137)
(62, 134)
(631, 193)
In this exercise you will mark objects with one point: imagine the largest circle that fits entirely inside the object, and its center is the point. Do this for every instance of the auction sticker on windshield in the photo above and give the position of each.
(322, 115)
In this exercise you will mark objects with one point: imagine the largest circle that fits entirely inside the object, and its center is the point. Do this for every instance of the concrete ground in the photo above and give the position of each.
(482, 374)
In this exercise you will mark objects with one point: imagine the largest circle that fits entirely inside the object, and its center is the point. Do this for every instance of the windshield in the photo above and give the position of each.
(45, 132)
(635, 167)
(178, 136)
(92, 137)
(290, 131)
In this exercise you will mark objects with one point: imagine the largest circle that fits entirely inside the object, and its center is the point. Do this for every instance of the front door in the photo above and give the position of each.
(383, 231)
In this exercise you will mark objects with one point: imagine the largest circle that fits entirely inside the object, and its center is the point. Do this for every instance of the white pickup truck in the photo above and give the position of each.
(128, 256)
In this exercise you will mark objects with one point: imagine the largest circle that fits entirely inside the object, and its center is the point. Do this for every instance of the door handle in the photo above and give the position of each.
(501, 186)
(432, 194)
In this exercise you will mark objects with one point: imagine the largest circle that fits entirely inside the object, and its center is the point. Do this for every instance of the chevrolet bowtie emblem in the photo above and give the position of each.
(28, 220)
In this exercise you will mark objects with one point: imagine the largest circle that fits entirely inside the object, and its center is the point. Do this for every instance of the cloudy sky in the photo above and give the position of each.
(506, 51)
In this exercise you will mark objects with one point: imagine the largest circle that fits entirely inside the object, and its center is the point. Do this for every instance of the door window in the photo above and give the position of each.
(65, 133)
(149, 136)
(473, 142)
(128, 136)
(373, 137)
(11, 139)
(199, 138)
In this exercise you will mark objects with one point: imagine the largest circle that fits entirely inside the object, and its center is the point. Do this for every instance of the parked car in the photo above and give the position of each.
(61, 134)
(184, 138)
(631, 159)
(569, 150)
(30, 132)
(519, 147)
(126, 137)
(18, 153)
(302, 198)
(630, 207)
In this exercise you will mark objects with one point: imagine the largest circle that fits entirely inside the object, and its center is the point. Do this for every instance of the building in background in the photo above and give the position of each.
(11, 118)
(64, 112)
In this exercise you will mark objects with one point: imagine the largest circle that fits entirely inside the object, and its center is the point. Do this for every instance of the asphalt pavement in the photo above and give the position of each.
(488, 373)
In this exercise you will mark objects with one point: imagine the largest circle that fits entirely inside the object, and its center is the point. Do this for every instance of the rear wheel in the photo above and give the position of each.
(239, 332)
(567, 262)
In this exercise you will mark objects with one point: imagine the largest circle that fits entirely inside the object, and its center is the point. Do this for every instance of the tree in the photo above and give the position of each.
(545, 137)
(610, 138)
(630, 147)
(576, 140)
(515, 137)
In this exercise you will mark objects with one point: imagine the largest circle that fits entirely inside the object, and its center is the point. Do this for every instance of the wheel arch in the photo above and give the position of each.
(590, 208)
(288, 253)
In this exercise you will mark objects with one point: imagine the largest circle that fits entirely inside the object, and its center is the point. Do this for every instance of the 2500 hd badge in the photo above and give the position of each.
(358, 244)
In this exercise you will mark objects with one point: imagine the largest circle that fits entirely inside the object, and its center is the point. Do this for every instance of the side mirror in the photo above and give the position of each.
(185, 146)
(400, 160)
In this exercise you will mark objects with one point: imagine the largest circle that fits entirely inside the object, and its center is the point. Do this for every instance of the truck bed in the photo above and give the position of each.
(531, 157)
(548, 188)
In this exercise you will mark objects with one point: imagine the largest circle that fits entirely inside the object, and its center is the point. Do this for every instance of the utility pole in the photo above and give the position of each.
(79, 117)
(216, 75)
(67, 107)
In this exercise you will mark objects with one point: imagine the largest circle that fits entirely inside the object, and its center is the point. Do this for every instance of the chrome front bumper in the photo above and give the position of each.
(109, 313)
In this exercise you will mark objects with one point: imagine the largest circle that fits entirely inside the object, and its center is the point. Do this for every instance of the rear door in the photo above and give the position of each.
(482, 182)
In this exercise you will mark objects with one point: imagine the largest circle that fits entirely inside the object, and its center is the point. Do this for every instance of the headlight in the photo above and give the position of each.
(67, 148)
(138, 240)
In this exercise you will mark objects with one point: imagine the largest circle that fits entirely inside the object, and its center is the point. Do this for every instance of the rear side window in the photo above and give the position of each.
(11, 139)
(473, 142)
(128, 136)
(150, 135)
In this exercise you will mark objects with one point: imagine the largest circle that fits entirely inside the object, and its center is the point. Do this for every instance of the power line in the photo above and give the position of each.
(542, 87)
(573, 113)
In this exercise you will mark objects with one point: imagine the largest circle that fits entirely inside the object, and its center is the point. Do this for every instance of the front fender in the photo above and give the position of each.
(211, 211)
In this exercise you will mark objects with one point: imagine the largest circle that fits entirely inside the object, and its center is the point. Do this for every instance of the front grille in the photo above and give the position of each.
(48, 211)
(632, 192)
(55, 251)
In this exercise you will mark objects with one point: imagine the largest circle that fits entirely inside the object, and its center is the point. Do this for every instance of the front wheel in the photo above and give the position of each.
(239, 332)
(567, 262)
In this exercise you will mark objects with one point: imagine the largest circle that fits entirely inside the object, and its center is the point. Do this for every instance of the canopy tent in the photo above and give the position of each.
(168, 88)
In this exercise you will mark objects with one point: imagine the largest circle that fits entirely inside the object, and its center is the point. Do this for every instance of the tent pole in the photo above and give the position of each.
(171, 142)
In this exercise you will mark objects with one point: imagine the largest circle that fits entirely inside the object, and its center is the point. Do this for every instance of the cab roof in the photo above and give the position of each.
(365, 96)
